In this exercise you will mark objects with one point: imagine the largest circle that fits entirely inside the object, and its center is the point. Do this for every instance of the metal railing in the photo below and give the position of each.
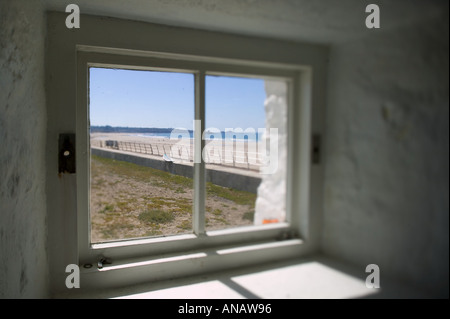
(236, 155)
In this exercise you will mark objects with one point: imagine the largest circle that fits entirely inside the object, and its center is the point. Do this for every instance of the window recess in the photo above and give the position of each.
(182, 154)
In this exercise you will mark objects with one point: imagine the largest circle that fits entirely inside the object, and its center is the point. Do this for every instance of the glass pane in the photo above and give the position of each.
(137, 187)
(245, 151)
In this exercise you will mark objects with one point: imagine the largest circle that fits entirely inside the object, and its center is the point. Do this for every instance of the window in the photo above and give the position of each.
(142, 153)
(155, 182)
(242, 118)
(134, 189)
(293, 72)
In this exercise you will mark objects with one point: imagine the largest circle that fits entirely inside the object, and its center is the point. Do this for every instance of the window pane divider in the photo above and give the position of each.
(198, 220)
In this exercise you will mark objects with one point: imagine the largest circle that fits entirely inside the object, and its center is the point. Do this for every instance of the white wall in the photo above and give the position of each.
(23, 231)
(386, 193)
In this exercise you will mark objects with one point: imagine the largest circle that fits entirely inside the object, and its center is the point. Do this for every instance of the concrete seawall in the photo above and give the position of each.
(217, 177)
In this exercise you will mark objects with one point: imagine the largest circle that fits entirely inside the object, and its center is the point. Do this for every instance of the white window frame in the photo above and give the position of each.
(125, 42)
(200, 67)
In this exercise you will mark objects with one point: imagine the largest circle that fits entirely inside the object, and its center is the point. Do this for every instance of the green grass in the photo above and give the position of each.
(124, 205)
(156, 216)
(179, 184)
(152, 233)
(159, 202)
(180, 190)
(182, 205)
(98, 182)
(111, 231)
(222, 220)
(121, 212)
(236, 196)
(185, 225)
(147, 174)
(107, 208)
(249, 216)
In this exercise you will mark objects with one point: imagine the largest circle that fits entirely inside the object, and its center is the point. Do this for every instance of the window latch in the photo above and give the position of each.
(66, 154)
(103, 261)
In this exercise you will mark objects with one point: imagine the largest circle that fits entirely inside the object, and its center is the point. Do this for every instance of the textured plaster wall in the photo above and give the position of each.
(387, 153)
(23, 255)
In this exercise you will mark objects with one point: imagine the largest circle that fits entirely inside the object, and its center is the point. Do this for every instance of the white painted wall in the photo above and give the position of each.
(387, 153)
(23, 210)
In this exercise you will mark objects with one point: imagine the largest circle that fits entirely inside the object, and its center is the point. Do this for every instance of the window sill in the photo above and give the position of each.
(310, 277)
(231, 232)
(163, 267)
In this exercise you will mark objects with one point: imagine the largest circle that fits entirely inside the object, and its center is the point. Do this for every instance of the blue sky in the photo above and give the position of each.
(163, 99)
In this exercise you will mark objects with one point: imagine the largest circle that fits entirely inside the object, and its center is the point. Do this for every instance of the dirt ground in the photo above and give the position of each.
(125, 203)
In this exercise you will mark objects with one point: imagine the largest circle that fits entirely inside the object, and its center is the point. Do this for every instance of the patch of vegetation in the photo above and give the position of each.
(154, 176)
(185, 225)
(98, 182)
(183, 205)
(180, 190)
(107, 208)
(156, 203)
(111, 231)
(156, 216)
(177, 183)
(236, 196)
(249, 216)
(153, 232)
(111, 217)
(221, 220)
(114, 183)
(123, 206)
